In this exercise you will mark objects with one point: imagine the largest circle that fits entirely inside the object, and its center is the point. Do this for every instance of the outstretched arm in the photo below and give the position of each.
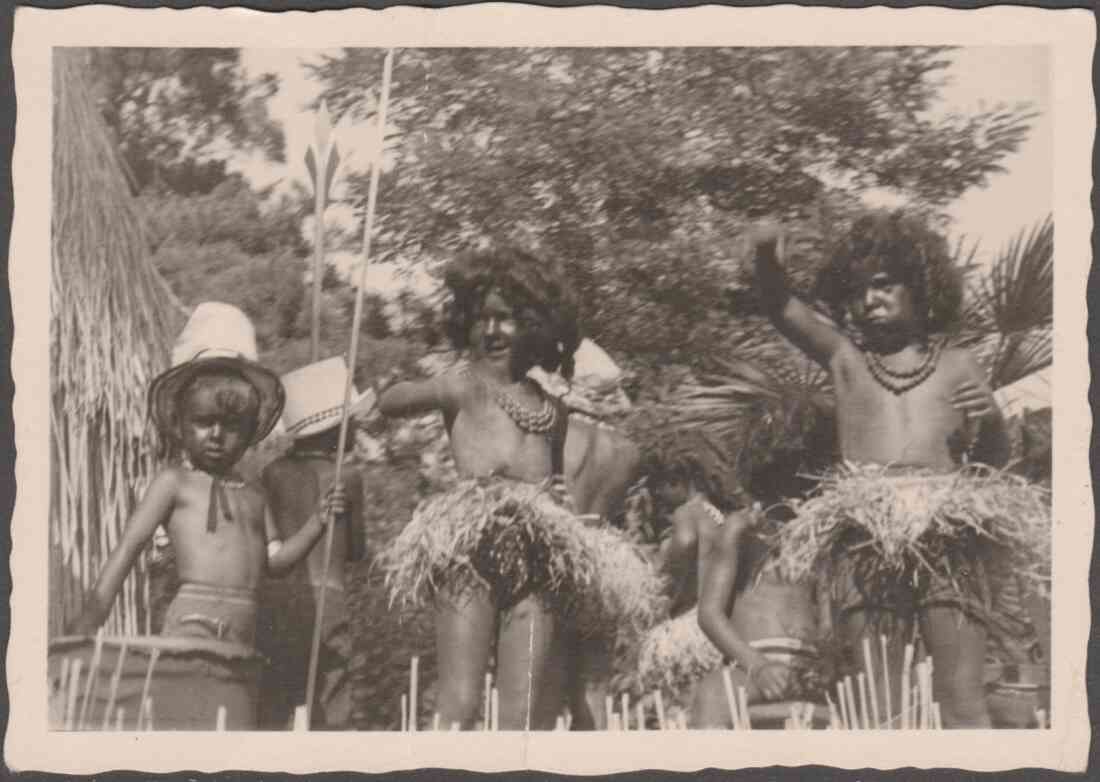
(794, 319)
(154, 508)
(413, 397)
(716, 605)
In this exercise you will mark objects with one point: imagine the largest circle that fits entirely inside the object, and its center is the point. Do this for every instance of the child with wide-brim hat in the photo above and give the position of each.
(312, 415)
(214, 403)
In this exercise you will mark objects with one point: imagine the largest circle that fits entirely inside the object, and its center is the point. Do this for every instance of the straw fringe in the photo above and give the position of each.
(899, 525)
(110, 325)
(516, 539)
(676, 653)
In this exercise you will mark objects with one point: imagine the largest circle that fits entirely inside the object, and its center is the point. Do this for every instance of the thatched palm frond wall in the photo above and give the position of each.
(111, 322)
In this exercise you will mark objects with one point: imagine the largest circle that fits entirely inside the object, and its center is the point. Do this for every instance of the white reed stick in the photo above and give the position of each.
(906, 667)
(404, 712)
(834, 717)
(864, 711)
(73, 692)
(843, 705)
(1041, 719)
(435, 721)
(928, 670)
(641, 714)
(886, 679)
(616, 723)
(120, 715)
(626, 710)
(113, 694)
(455, 726)
(148, 722)
(568, 719)
(153, 657)
(731, 702)
(870, 665)
(413, 675)
(93, 679)
(609, 709)
(559, 723)
(487, 724)
(660, 708)
(301, 719)
(496, 709)
(937, 719)
(853, 711)
(743, 702)
(219, 724)
(682, 721)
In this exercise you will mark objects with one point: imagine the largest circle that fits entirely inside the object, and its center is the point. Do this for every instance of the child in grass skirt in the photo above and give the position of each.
(903, 538)
(503, 558)
(765, 627)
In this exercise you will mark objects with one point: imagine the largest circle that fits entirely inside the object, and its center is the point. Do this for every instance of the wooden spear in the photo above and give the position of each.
(322, 165)
(368, 230)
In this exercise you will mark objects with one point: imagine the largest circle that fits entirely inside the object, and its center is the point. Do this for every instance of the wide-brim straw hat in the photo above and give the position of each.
(315, 397)
(218, 336)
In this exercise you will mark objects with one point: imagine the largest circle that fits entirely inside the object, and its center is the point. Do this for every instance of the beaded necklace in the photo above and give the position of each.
(716, 515)
(542, 421)
(218, 485)
(899, 382)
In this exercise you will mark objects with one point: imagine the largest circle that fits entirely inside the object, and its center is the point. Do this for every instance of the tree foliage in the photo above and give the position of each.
(639, 167)
(179, 113)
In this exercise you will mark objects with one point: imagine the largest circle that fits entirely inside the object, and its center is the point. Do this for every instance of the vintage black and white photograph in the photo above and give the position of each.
(610, 389)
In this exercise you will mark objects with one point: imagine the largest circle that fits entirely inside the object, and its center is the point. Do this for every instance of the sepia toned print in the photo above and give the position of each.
(553, 392)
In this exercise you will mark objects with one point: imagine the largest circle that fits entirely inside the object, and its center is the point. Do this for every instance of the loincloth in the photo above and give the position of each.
(897, 542)
(677, 653)
(516, 540)
(212, 612)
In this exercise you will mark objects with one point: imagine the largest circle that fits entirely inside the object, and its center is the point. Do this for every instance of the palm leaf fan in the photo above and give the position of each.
(111, 322)
(1011, 315)
(768, 400)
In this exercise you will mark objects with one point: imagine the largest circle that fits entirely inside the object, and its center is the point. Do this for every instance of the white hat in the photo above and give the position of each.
(216, 336)
(315, 397)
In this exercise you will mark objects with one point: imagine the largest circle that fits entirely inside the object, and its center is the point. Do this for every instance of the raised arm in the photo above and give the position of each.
(791, 316)
(154, 508)
(716, 606)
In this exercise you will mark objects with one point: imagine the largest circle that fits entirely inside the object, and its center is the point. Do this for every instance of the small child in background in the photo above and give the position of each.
(213, 404)
(314, 404)
(690, 477)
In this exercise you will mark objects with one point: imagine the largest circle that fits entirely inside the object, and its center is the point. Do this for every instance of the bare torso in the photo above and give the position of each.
(914, 428)
(234, 554)
(485, 440)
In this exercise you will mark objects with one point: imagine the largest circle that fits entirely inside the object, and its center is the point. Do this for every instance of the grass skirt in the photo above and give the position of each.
(517, 539)
(917, 527)
(677, 653)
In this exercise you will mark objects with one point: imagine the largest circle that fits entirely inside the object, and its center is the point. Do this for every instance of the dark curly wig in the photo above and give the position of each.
(689, 455)
(909, 250)
(533, 285)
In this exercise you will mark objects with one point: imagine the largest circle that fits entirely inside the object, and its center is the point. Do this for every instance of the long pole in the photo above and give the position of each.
(368, 230)
(318, 263)
(323, 150)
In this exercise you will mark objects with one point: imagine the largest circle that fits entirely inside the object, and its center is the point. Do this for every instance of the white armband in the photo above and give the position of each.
(273, 547)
